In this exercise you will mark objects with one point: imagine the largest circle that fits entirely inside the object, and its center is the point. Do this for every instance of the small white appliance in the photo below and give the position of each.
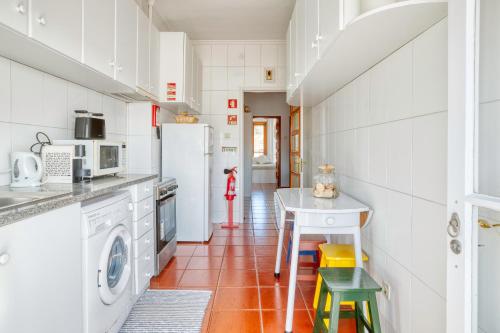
(101, 157)
(107, 271)
(166, 222)
(26, 169)
(187, 151)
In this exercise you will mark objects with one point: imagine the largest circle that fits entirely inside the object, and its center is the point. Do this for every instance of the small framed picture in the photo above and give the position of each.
(269, 74)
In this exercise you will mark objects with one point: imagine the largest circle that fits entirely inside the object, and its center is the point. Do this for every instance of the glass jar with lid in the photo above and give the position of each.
(325, 184)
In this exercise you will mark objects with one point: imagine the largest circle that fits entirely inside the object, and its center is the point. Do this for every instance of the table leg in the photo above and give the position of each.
(293, 276)
(279, 250)
(357, 247)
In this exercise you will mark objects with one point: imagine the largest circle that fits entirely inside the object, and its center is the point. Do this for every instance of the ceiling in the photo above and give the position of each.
(227, 19)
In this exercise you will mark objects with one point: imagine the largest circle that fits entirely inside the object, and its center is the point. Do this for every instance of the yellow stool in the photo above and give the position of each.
(335, 255)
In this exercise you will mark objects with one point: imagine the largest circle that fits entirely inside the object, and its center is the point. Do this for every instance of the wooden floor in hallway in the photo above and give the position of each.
(237, 266)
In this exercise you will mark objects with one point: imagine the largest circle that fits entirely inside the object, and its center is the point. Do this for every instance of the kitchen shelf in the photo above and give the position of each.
(364, 42)
(30, 52)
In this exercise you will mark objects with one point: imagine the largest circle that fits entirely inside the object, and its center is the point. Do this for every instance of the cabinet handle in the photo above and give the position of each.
(4, 258)
(147, 258)
(314, 45)
(319, 37)
(147, 241)
(297, 74)
(20, 8)
(112, 63)
(41, 20)
(146, 189)
(146, 224)
(130, 206)
(148, 274)
(119, 68)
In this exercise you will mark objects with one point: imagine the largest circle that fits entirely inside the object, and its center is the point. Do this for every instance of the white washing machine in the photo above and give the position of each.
(107, 259)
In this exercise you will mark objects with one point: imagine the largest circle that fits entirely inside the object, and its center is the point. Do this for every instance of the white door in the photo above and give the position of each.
(154, 60)
(126, 42)
(58, 24)
(473, 295)
(14, 13)
(142, 50)
(312, 33)
(99, 35)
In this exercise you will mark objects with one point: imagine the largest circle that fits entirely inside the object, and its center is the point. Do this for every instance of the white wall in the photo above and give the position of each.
(267, 104)
(386, 132)
(32, 101)
(229, 68)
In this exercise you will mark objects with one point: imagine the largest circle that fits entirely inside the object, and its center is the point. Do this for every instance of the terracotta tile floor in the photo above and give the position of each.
(237, 266)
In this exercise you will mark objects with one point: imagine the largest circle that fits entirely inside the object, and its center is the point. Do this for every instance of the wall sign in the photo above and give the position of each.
(171, 91)
(232, 119)
(269, 74)
(232, 103)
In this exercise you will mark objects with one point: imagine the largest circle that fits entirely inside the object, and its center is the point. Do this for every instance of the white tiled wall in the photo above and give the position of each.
(32, 101)
(229, 68)
(386, 133)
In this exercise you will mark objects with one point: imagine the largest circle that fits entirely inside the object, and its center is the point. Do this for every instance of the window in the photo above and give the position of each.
(259, 139)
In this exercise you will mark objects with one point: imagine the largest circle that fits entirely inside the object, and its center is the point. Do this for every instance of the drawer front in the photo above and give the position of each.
(144, 270)
(141, 191)
(141, 244)
(143, 208)
(330, 220)
(143, 225)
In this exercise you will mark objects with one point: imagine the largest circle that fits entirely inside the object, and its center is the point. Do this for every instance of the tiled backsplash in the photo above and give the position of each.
(386, 133)
(32, 101)
(229, 68)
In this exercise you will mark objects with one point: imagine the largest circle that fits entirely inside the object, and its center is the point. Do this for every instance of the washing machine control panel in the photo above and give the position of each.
(99, 220)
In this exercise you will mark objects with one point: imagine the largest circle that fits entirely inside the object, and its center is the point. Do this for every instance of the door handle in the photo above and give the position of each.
(486, 225)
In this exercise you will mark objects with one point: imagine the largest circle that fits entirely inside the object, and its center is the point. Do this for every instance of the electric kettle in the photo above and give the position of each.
(26, 169)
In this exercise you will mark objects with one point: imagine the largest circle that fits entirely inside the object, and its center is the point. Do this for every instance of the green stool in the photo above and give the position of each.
(347, 284)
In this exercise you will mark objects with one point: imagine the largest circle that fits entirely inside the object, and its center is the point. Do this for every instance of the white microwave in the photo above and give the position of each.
(100, 157)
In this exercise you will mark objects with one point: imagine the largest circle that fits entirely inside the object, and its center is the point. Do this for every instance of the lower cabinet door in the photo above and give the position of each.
(41, 273)
(144, 270)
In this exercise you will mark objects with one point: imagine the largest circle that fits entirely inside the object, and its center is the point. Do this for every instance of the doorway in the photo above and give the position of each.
(266, 143)
(295, 144)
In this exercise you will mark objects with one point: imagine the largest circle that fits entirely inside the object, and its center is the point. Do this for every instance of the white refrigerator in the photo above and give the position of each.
(187, 151)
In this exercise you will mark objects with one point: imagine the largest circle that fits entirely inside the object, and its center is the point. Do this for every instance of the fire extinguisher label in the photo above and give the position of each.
(171, 91)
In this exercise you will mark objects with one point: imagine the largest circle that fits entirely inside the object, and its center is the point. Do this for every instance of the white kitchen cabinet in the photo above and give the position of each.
(99, 35)
(154, 61)
(300, 41)
(329, 23)
(58, 24)
(312, 33)
(126, 42)
(41, 273)
(142, 50)
(14, 13)
(180, 73)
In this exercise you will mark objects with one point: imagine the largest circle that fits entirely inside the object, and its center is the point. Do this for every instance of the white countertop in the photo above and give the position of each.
(302, 200)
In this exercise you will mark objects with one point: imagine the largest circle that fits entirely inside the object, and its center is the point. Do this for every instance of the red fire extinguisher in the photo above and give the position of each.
(230, 195)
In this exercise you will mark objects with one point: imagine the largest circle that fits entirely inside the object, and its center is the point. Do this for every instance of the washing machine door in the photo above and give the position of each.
(115, 265)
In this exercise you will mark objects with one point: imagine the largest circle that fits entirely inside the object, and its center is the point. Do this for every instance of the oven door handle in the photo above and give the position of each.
(170, 196)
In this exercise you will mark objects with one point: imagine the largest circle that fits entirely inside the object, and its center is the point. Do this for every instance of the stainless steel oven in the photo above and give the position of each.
(166, 222)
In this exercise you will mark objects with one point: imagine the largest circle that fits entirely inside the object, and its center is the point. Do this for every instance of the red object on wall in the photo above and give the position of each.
(232, 119)
(154, 117)
(232, 103)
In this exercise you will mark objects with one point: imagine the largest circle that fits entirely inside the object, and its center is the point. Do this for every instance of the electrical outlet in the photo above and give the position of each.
(386, 290)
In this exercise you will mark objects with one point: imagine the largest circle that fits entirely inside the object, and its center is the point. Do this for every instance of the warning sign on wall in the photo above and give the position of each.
(171, 91)
(232, 103)
(232, 119)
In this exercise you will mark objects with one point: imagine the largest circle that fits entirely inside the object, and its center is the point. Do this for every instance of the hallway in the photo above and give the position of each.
(238, 267)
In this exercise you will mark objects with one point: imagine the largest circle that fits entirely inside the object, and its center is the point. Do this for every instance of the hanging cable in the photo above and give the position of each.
(42, 140)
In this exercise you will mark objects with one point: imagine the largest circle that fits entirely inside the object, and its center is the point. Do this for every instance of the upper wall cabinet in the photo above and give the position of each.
(126, 42)
(142, 50)
(99, 35)
(331, 42)
(154, 61)
(180, 73)
(58, 24)
(14, 13)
